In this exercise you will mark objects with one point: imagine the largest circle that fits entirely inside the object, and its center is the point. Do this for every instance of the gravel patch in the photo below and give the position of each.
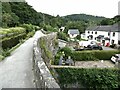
(97, 64)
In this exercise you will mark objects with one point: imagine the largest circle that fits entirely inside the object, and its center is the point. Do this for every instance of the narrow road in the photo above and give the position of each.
(107, 48)
(16, 70)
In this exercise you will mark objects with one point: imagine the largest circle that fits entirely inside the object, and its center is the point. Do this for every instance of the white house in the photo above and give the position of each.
(61, 29)
(73, 33)
(108, 34)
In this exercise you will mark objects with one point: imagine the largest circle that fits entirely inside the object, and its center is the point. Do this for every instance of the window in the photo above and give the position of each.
(119, 42)
(88, 32)
(113, 33)
(92, 32)
(95, 32)
(113, 41)
(108, 33)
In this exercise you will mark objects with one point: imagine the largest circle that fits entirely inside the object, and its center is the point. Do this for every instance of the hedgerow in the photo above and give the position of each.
(89, 78)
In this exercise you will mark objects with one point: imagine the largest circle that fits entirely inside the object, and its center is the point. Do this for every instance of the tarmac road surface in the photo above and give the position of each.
(16, 70)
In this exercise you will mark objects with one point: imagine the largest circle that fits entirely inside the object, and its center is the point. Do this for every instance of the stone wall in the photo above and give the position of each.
(41, 63)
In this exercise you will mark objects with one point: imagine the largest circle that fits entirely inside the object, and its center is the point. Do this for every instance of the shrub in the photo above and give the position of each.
(28, 27)
(89, 55)
(89, 78)
(105, 55)
(83, 56)
(10, 42)
(67, 51)
(62, 36)
(49, 28)
(30, 34)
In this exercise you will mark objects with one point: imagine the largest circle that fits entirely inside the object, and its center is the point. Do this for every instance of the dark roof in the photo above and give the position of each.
(113, 28)
(104, 28)
(92, 28)
(73, 31)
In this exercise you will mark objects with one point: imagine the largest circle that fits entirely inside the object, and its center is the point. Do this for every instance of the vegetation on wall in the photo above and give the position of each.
(46, 53)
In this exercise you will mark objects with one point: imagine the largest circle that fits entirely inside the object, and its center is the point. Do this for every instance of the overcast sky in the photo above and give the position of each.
(106, 8)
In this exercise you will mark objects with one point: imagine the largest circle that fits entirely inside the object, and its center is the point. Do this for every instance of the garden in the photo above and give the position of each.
(87, 55)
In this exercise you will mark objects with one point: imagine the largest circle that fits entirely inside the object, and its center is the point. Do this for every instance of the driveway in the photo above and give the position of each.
(16, 71)
(107, 48)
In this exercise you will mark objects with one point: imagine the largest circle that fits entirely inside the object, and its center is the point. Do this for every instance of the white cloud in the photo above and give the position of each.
(107, 8)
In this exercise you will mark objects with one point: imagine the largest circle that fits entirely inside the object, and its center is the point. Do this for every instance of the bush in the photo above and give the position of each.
(30, 34)
(89, 78)
(12, 31)
(93, 55)
(89, 55)
(49, 28)
(67, 51)
(105, 55)
(83, 56)
(28, 27)
(10, 42)
(62, 36)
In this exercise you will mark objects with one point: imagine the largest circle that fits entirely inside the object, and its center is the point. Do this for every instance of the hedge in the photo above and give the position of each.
(89, 78)
(16, 30)
(89, 55)
(10, 42)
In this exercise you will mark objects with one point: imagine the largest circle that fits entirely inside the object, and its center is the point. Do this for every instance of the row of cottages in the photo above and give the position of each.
(108, 35)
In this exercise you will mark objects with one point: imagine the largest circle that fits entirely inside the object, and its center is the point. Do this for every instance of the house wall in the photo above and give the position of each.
(73, 36)
(115, 38)
(83, 36)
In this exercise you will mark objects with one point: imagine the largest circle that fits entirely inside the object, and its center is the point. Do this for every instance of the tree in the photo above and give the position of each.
(80, 25)
(6, 19)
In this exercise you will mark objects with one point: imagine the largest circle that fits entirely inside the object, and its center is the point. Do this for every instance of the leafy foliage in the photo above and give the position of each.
(88, 55)
(110, 21)
(89, 78)
(62, 36)
(81, 17)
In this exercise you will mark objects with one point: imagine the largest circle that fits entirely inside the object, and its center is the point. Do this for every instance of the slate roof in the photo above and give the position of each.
(104, 28)
(92, 28)
(73, 31)
(108, 28)
(116, 27)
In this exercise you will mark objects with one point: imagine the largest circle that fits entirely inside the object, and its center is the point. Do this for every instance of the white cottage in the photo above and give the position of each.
(73, 33)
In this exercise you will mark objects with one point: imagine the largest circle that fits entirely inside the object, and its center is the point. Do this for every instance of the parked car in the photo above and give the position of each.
(90, 42)
(115, 58)
(95, 47)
